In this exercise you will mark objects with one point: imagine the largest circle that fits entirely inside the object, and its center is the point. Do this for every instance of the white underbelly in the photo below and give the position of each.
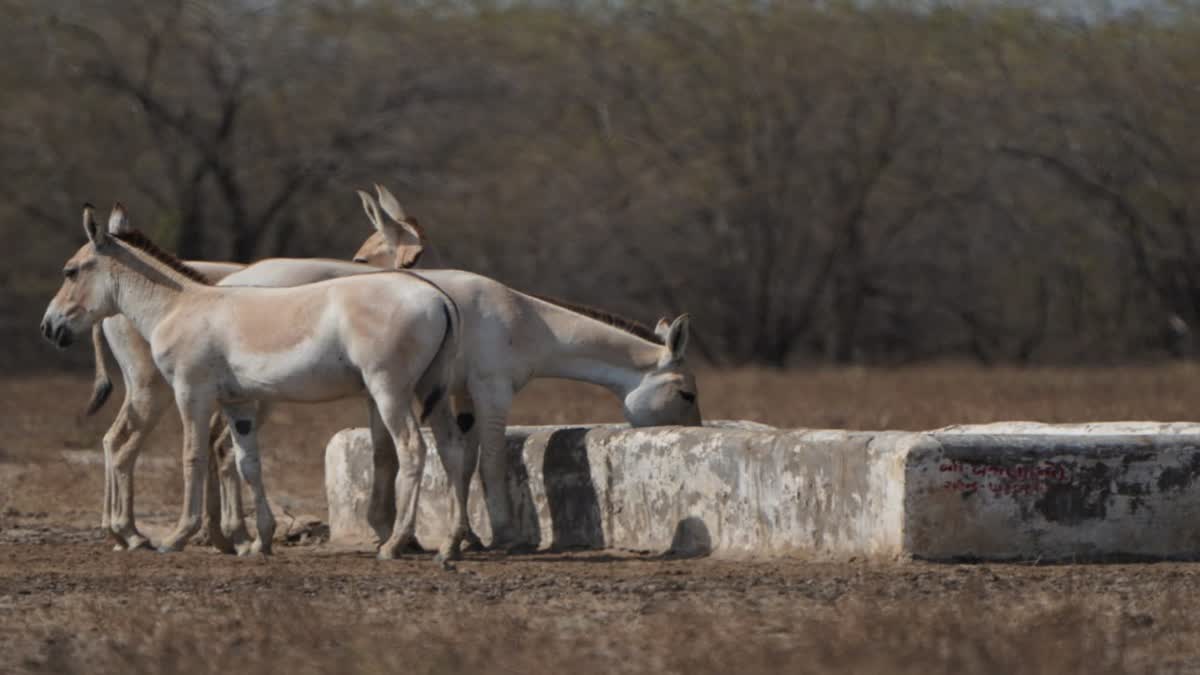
(306, 373)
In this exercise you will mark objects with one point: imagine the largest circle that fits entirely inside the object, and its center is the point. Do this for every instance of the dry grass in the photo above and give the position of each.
(264, 635)
(76, 607)
(307, 613)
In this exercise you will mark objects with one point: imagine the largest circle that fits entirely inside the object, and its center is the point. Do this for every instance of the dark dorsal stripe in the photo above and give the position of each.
(628, 325)
(141, 242)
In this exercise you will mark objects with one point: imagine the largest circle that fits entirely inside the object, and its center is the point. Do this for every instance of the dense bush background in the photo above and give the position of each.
(813, 182)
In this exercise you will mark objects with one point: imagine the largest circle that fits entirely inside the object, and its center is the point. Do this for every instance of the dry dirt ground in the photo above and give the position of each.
(69, 604)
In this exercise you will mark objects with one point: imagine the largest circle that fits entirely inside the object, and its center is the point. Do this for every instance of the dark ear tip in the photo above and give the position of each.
(88, 205)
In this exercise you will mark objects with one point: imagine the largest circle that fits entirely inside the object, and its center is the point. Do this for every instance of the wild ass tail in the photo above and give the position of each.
(101, 383)
(438, 377)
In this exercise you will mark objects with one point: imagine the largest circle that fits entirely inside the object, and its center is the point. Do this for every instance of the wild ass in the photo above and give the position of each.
(392, 335)
(147, 395)
(510, 338)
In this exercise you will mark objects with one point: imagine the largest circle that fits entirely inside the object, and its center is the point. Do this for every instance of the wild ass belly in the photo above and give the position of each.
(307, 372)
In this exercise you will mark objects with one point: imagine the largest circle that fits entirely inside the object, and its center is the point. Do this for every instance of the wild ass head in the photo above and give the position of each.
(398, 242)
(88, 293)
(666, 394)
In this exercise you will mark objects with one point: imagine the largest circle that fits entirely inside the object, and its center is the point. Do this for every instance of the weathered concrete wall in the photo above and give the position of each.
(1055, 492)
(737, 489)
(1013, 490)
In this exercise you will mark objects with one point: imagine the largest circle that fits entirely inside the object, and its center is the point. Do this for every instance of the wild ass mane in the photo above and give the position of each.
(628, 325)
(136, 239)
(409, 220)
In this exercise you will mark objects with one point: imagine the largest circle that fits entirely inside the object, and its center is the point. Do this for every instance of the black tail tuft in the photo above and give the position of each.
(100, 393)
(431, 402)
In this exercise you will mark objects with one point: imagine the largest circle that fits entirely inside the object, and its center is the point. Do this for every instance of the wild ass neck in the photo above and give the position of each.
(593, 351)
(145, 289)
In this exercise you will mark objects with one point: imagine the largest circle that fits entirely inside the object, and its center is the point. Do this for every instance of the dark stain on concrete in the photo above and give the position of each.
(524, 509)
(1132, 489)
(1084, 498)
(570, 493)
(1137, 457)
(1178, 478)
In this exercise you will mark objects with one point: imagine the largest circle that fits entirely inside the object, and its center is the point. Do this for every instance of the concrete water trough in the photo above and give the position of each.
(1002, 491)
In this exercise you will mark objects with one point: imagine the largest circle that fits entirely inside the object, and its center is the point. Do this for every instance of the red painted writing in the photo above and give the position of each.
(960, 486)
(1003, 479)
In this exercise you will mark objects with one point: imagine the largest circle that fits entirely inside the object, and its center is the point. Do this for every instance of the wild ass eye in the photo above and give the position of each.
(360, 260)
(688, 396)
(70, 272)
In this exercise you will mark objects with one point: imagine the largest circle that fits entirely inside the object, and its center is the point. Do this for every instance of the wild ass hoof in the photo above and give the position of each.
(167, 548)
(392, 548)
(137, 543)
(222, 545)
(248, 547)
(237, 538)
(472, 542)
(117, 540)
(211, 535)
(444, 562)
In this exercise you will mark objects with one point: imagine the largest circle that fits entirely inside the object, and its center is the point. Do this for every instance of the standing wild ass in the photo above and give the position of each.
(147, 395)
(393, 335)
(510, 338)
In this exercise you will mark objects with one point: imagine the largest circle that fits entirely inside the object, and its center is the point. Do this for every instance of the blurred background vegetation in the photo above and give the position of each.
(813, 182)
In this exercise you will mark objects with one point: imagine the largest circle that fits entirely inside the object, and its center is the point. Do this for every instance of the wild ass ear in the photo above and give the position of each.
(391, 206)
(661, 329)
(372, 211)
(389, 203)
(95, 234)
(677, 338)
(118, 220)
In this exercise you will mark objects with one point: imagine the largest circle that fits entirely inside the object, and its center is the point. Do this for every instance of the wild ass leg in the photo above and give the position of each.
(458, 472)
(381, 511)
(194, 410)
(110, 490)
(224, 528)
(143, 406)
(493, 400)
(244, 420)
(146, 397)
(233, 525)
(468, 435)
(223, 497)
(401, 421)
(210, 532)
